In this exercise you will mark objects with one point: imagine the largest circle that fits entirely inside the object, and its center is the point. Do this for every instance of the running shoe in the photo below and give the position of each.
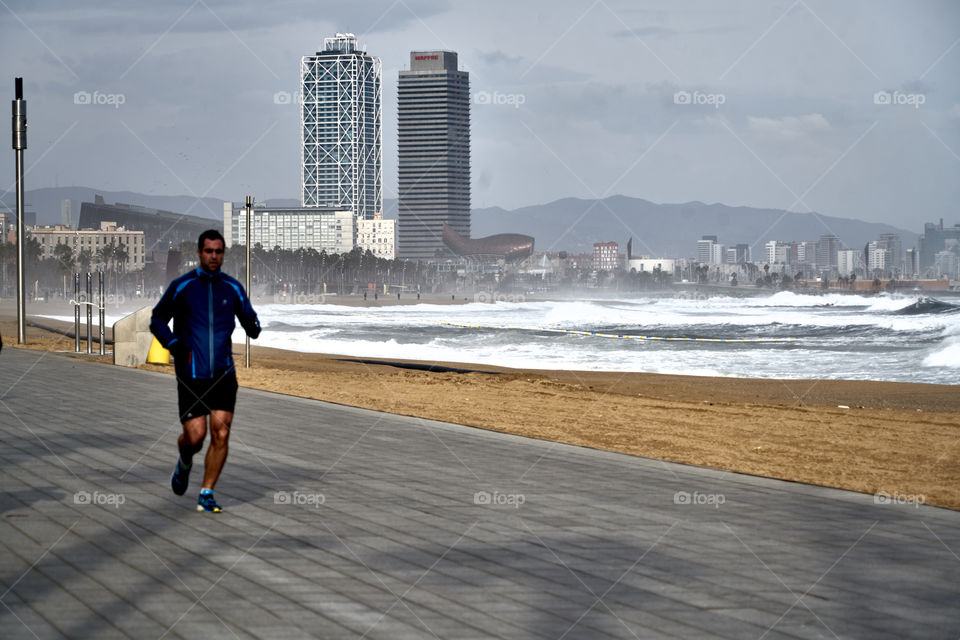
(180, 479)
(208, 504)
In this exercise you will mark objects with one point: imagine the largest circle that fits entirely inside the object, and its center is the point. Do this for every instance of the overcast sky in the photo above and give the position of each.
(849, 109)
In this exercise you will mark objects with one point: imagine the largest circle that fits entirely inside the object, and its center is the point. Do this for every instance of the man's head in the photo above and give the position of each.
(210, 248)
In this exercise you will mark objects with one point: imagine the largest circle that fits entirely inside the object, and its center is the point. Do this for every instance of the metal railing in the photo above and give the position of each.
(86, 300)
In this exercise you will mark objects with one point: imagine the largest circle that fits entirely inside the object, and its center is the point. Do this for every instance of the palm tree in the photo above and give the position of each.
(63, 254)
(103, 255)
(120, 257)
(84, 258)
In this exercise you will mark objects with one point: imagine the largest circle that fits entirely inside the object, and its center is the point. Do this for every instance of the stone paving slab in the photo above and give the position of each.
(348, 523)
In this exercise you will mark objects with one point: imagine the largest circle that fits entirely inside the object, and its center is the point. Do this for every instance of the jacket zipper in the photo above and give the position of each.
(210, 314)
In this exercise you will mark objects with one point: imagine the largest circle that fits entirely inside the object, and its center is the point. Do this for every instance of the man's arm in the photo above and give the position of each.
(246, 314)
(160, 321)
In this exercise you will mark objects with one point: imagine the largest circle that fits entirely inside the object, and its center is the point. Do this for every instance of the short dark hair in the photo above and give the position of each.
(210, 234)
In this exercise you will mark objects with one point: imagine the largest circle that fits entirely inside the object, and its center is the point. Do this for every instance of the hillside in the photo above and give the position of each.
(570, 224)
(667, 230)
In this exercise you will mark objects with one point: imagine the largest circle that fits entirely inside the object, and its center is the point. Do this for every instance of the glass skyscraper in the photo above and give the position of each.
(341, 128)
(433, 127)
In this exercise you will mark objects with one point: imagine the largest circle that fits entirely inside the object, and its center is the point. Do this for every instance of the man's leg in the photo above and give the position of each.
(191, 440)
(189, 443)
(217, 451)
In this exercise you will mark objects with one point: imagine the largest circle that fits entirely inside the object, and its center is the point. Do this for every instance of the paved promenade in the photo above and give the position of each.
(346, 523)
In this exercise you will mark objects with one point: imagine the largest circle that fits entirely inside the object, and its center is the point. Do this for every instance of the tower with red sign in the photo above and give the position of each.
(433, 130)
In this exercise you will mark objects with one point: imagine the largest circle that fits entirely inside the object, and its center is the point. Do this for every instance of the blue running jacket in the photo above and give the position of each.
(202, 306)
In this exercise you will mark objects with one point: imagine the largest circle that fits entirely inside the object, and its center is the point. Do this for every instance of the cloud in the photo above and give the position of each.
(498, 57)
(666, 32)
(789, 127)
(112, 17)
(645, 31)
(709, 123)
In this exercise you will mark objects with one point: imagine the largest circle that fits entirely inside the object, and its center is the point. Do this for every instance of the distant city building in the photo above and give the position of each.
(827, 248)
(740, 254)
(891, 243)
(807, 252)
(650, 265)
(29, 220)
(876, 258)
(606, 256)
(433, 153)
(848, 262)
(778, 252)
(162, 230)
(4, 227)
(65, 213)
(378, 236)
(93, 241)
(946, 264)
(321, 228)
(706, 252)
(911, 263)
(793, 253)
(580, 261)
(341, 128)
(934, 240)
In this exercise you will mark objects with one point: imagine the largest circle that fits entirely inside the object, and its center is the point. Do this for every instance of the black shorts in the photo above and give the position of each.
(197, 397)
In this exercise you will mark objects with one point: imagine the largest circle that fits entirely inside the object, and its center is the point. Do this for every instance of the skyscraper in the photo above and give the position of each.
(894, 246)
(341, 128)
(827, 248)
(433, 128)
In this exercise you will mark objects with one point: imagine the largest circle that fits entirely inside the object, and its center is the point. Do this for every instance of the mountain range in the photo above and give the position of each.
(570, 224)
(668, 230)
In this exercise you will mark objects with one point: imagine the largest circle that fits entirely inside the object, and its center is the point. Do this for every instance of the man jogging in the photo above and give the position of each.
(203, 304)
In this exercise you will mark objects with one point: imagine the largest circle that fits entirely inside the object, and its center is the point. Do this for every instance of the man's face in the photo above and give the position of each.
(211, 255)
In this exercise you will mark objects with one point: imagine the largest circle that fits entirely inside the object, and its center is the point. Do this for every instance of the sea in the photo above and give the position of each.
(783, 335)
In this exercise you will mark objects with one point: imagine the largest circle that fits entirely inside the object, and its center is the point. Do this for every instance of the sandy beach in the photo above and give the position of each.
(901, 439)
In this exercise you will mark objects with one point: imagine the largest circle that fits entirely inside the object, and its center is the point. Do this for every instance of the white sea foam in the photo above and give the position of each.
(838, 336)
(109, 320)
(946, 355)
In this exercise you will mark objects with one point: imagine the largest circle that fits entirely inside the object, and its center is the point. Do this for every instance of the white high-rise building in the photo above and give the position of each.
(848, 261)
(877, 255)
(718, 254)
(321, 228)
(778, 252)
(341, 128)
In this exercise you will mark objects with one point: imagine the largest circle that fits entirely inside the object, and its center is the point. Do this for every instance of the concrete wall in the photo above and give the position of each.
(132, 338)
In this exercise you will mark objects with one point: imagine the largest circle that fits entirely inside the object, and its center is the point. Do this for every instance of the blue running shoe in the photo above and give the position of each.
(208, 504)
(180, 478)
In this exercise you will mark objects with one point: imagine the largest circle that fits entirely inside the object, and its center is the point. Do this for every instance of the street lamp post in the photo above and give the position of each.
(19, 144)
(249, 293)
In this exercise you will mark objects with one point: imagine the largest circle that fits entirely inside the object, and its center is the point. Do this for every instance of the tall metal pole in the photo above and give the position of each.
(102, 314)
(89, 312)
(249, 294)
(76, 310)
(19, 144)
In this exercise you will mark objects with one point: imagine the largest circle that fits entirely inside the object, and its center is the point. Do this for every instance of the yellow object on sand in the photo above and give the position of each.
(157, 354)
